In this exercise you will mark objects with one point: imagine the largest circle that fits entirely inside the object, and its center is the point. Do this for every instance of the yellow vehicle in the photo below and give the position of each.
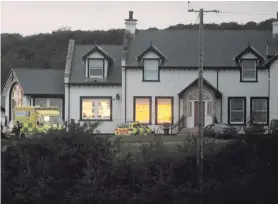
(36, 119)
(133, 128)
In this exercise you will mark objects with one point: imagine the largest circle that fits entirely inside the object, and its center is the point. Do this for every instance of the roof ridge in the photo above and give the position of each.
(37, 68)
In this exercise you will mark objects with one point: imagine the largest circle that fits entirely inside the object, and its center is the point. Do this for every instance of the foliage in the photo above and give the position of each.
(48, 50)
(81, 167)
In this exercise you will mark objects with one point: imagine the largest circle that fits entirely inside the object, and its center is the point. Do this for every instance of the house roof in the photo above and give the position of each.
(39, 81)
(181, 47)
(114, 75)
(272, 48)
(273, 59)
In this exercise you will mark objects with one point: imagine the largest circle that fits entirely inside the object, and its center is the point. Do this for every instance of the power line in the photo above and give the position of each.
(244, 13)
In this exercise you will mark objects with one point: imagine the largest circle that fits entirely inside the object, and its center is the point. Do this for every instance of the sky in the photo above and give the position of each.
(28, 18)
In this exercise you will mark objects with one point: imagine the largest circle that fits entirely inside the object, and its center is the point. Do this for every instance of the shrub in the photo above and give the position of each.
(81, 167)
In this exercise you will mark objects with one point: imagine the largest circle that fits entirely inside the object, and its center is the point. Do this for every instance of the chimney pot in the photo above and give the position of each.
(131, 15)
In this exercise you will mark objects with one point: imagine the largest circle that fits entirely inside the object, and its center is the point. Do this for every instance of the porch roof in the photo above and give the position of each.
(216, 92)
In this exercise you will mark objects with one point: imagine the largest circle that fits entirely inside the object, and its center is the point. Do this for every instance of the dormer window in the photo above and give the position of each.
(96, 68)
(248, 60)
(152, 58)
(248, 70)
(150, 72)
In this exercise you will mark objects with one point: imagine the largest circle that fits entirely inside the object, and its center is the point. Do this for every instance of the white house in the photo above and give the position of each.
(153, 78)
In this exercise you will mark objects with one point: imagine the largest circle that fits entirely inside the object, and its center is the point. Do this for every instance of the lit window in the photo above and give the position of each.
(96, 109)
(259, 110)
(237, 110)
(150, 70)
(248, 70)
(164, 110)
(96, 68)
(142, 110)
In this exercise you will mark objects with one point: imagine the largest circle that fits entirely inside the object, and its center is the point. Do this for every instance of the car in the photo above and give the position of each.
(273, 127)
(219, 130)
(133, 128)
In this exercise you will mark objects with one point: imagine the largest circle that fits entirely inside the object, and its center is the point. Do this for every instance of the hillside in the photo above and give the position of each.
(48, 50)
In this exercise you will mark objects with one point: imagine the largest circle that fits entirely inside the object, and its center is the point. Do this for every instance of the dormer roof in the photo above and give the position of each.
(252, 50)
(153, 49)
(99, 50)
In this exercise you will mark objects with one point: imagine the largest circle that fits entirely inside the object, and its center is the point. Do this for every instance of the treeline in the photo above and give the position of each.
(48, 50)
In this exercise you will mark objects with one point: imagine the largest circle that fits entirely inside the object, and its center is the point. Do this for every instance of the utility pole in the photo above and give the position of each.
(200, 139)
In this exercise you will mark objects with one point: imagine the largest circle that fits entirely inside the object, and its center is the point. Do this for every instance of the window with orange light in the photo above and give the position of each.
(142, 109)
(164, 112)
(96, 109)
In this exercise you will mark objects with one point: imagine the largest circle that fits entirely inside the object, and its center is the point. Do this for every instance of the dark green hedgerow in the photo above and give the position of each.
(81, 168)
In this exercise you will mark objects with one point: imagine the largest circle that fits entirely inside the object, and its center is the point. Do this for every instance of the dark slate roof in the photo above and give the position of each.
(41, 81)
(273, 46)
(181, 47)
(114, 75)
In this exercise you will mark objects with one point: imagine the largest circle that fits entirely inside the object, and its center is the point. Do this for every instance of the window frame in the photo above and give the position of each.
(156, 108)
(229, 111)
(96, 97)
(242, 68)
(88, 67)
(158, 70)
(267, 110)
(150, 108)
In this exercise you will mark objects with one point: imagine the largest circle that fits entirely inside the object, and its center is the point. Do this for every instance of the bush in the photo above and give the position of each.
(80, 167)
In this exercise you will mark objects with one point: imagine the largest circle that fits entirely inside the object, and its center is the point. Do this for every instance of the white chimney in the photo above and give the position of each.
(131, 23)
(275, 26)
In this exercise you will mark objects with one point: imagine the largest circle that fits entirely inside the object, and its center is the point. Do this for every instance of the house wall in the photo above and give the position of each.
(74, 103)
(230, 86)
(171, 83)
(273, 101)
(174, 81)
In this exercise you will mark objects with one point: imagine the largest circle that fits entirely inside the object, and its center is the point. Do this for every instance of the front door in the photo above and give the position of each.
(196, 114)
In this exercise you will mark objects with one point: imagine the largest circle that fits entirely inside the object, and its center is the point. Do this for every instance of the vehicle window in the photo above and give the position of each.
(135, 125)
(208, 127)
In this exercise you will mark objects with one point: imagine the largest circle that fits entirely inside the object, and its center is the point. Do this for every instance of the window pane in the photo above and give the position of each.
(259, 104)
(260, 117)
(249, 74)
(248, 69)
(248, 64)
(209, 108)
(94, 63)
(236, 104)
(95, 72)
(151, 69)
(98, 109)
(189, 109)
(164, 110)
(142, 110)
(237, 117)
(151, 75)
(40, 102)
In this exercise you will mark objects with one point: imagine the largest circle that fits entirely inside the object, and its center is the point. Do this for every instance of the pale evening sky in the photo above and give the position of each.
(29, 18)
